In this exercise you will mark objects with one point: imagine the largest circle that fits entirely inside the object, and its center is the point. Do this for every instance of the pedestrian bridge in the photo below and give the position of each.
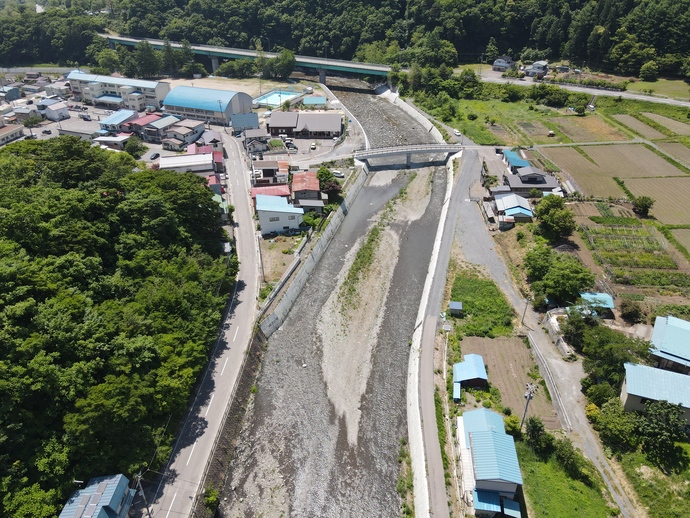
(215, 53)
(428, 149)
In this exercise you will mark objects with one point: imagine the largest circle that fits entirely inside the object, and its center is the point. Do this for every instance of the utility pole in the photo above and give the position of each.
(529, 394)
(143, 494)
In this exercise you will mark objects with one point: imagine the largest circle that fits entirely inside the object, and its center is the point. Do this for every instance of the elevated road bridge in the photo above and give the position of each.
(215, 53)
(408, 151)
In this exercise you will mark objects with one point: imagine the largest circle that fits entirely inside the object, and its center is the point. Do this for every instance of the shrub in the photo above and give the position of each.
(631, 311)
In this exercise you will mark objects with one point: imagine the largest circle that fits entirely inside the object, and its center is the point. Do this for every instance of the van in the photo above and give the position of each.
(283, 136)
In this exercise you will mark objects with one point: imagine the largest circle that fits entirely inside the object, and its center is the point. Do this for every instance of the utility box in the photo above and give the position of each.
(455, 308)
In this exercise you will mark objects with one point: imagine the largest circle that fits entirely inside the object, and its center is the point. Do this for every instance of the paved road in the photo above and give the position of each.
(479, 248)
(175, 495)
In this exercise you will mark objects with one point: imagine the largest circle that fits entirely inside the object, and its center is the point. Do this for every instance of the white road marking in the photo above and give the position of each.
(171, 505)
(226, 362)
(236, 330)
(209, 405)
(191, 453)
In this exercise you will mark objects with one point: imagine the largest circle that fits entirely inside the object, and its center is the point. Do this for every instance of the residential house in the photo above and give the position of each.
(117, 142)
(306, 192)
(514, 161)
(10, 93)
(103, 497)
(22, 113)
(537, 69)
(218, 165)
(32, 77)
(155, 131)
(57, 111)
(276, 214)
(35, 88)
(671, 344)
(643, 383)
(202, 163)
(117, 92)
(503, 63)
(528, 178)
(10, 133)
(256, 140)
(212, 138)
(59, 88)
(138, 125)
(490, 468)
(281, 190)
(182, 133)
(267, 172)
(214, 184)
(469, 373)
(282, 123)
(115, 123)
(513, 206)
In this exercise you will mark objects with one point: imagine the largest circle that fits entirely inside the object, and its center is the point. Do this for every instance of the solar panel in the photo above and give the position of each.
(101, 487)
(96, 498)
(82, 505)
(90, 510)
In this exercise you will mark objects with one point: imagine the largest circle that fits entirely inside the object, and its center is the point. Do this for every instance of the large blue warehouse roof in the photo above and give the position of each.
(481, 420)
(657, 384)
(199, 98)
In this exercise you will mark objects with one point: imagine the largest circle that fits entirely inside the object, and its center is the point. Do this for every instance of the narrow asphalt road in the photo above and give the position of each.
(175, 495)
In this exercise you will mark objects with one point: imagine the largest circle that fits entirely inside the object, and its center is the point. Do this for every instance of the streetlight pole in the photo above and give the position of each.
(529, 394)
(524, 312)
(220, 112)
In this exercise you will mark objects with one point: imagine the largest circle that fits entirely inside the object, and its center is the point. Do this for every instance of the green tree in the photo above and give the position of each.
(538, 261)
(284, 64)
(649, 71)
(661, 427)
(169, 58)
(631, 311)
(566, 278)
(147, 59)
(643, 204)
(32, 122)
(617, 428)
(491, 52)
(555, 220)
(109, 60)
(538, 438)
(135, 147)
(324, 176)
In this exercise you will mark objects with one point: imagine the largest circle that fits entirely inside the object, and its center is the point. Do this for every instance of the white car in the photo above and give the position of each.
(313, 146)
(338, 174)
(457, 132)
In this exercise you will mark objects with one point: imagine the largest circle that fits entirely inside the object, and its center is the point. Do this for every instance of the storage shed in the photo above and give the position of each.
(455, 308)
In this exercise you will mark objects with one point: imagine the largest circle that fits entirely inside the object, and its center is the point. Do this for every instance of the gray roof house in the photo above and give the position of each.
(503, 63)
(528, 178)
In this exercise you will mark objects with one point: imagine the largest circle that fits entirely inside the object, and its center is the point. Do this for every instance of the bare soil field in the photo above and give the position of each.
(679, 128)
(503, 135)
(535, 130)
(588, 129)
(677, 150)
(671, 195)
(638, 126)
(589, 178)
(508, 362)
(584, 210)
(631, 161)
(277, 255)
(683, 236)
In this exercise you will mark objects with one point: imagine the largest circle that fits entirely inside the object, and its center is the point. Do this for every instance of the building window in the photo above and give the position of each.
(291, 217)
(274, 218)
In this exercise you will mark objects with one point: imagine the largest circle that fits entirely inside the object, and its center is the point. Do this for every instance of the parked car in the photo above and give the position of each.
(30, 137)
(46, 132)
(155, 155)
(313, 146)
(30, 101)
(457, 132)
(338, 174)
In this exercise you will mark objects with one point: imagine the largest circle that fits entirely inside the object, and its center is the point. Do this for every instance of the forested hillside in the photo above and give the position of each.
(112, 286)
(617, 35)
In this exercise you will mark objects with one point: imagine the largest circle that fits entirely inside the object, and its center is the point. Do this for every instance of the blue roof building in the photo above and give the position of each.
(514, 160)
(671, 344)
(103, 497)
(207, 104)
(115, 121)
(602, 300)
(494, 472)
(470, 372)
(276, 214)
(643, 383)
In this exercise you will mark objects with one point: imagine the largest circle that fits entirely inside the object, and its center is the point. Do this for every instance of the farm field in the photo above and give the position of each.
(671, 195)
(674, 88)
(629, 247)
(508, 363)
(536, 131)
(503, 136)
(590, 128)
(683, 236)
(679, 128)
(588, 176)
(677, 150)
(630, 161)
(640, 127)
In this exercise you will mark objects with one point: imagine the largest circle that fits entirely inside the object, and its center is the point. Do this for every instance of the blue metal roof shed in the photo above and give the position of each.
(671, 339)
(118, 118)
(481, 420)
(495, 457)
(103, 497)
(471, 369)
(657, 384)
(514, 160)
(603, 300)
(276, 204)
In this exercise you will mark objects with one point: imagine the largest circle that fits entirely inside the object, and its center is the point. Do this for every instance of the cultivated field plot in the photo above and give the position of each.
(631, 161)
(679, 128)
(677, 150)
(590, 179)
(671, 195)
(584, 210)
(508, 363)
(683, 236)
(535, 131)
(504, 136)
(588, 129)
(638, 126)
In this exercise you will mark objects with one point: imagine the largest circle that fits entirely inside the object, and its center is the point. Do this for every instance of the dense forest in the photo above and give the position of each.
(112, 286)
(615, 35)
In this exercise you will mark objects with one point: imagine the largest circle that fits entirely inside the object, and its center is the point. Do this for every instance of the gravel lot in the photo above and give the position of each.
(322, 435)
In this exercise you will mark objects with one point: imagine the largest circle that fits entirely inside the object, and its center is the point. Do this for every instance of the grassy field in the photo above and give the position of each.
(671, 195)
(590, 128)
(551, 493)
(674, 88)
(638, 126)
(665, 496)
(486, 311)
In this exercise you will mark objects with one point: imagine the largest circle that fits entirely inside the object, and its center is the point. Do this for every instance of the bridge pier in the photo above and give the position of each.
(214, 64)
(408, 162)
(322, 76)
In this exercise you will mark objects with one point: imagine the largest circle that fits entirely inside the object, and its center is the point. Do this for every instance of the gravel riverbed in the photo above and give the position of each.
(322, 435)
